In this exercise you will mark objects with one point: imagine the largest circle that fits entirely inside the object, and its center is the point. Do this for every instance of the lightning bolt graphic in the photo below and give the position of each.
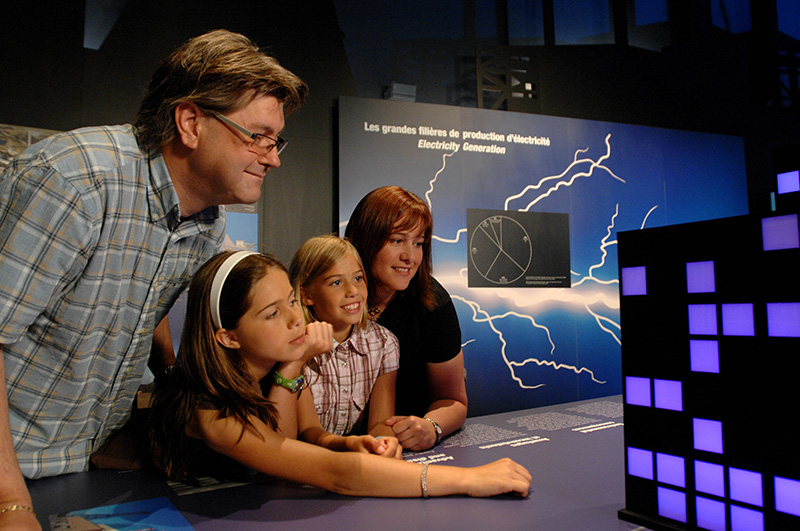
(575, 162)
(565, 179)
(486, 318)
(648, 215)
(602, 321)
(459, 232)
(430, 189)
(604, 243)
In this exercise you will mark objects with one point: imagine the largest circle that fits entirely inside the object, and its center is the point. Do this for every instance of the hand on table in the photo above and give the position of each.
(499, 477)
(384, 446)
(414, 433)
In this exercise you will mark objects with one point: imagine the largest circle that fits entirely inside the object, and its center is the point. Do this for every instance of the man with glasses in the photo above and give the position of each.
(101, 229)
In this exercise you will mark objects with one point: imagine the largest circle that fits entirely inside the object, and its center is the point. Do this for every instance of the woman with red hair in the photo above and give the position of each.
(392, 230)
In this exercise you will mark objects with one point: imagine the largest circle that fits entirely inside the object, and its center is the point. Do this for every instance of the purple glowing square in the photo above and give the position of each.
(783, 319)
(671, 504)
(634, 280)
(789, 182)
(637, 391)
(702, 319)
(670, 470)
(746, 519)
(787, 496)
(668, 394)
(640, 463)
(704, 355)
(780, 232)
(709, 478)
(746, 486)
(700, 277)
(707, 435)
(710, 514)
(737, 320)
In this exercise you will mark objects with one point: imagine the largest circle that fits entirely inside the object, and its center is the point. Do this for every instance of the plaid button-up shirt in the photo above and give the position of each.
(93, 253)
(342, 384)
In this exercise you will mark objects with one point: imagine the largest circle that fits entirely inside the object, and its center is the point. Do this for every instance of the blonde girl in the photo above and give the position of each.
(353, 385)
(235, 395)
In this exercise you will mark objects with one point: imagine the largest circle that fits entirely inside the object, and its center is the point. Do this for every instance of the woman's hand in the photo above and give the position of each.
(383, 446)
(500, 477)
(390, 447)
(414, 433)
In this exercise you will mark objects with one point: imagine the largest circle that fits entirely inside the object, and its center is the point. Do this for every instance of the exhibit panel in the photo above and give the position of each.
(573, 451)
(711, 319)
(526, 211)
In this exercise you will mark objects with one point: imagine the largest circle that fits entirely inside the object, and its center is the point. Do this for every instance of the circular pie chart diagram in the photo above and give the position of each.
(500, 249)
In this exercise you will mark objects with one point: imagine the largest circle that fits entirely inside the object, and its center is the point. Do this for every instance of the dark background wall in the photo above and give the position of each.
(680, 72)
(50, 80)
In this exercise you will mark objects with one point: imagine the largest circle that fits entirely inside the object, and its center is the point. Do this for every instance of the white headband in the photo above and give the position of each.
(219, 281)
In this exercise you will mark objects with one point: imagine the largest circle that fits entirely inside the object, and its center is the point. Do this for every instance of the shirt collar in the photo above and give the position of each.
(353, 342)
(163, 198)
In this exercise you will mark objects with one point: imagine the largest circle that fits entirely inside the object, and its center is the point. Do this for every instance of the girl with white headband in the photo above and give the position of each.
(232, 401)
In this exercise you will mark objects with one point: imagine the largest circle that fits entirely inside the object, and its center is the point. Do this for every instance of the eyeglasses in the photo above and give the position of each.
(262, 144)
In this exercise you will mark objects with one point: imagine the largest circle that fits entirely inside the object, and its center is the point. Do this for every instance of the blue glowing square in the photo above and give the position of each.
(672, 504)
(783, 319)
(707, 435)
(746, 486)
(787, 496)
(637, 391)
(780, 232)
(702, 319)
(700, 277)
(670, 469)
(710, 514)
(746, 519)
(668, 394)
(704, 355)
(789, 182)
(634, 280)
(640, 463)
(709, 478)
(737, 320)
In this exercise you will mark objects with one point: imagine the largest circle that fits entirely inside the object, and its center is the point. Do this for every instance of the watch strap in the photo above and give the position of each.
(294, 385)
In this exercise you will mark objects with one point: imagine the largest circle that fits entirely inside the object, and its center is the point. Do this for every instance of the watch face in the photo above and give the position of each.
(436, 426)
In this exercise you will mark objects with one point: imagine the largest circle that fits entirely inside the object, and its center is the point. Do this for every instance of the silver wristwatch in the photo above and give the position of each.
(436, 428)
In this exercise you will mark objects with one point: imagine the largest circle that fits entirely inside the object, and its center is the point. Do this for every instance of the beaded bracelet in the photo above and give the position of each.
(16, 507)
(423, 480)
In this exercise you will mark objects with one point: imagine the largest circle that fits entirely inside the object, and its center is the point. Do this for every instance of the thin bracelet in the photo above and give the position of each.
(423, 480)
(16, 507)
